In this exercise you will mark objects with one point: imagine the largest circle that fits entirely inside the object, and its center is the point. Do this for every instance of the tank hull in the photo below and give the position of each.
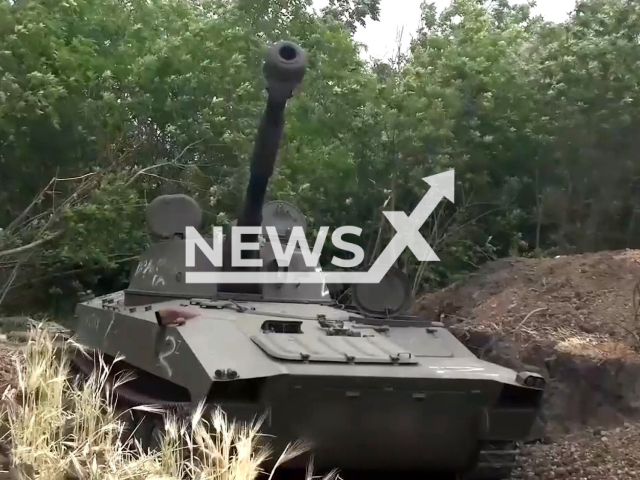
(434, 412)
(379, 424)
(395, 433)
(393, 428)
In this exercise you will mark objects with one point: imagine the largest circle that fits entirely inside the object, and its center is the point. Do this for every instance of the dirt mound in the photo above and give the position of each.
(574, 319)
(583, 304)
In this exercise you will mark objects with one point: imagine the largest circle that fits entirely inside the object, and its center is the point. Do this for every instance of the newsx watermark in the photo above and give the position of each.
(407, 235)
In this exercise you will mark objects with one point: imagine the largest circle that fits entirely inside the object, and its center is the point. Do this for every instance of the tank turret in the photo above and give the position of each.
(162, 268)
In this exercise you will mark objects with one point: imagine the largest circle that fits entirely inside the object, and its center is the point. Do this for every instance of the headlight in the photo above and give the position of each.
(531, 380)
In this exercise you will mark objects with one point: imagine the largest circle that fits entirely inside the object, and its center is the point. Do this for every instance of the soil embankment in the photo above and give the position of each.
(575, 319)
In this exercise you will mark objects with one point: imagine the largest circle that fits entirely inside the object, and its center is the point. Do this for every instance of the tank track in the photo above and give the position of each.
(495, 461)
(143, 425)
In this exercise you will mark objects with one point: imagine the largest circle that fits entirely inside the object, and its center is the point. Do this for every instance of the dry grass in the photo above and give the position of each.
(57, 430)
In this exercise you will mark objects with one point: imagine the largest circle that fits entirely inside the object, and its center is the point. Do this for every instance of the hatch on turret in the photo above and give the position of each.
(369, 347)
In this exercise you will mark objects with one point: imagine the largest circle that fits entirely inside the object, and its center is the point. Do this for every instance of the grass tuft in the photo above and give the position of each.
(58, 429)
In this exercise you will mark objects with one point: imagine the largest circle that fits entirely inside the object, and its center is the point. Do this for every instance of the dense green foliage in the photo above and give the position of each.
(120, 100)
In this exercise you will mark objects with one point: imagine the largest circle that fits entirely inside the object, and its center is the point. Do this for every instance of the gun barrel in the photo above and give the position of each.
(284, 69)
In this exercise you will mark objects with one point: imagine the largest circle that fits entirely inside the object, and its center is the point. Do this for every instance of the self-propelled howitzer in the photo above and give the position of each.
(369, 386)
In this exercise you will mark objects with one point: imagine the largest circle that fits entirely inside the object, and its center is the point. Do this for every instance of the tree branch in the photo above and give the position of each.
(26, 211)
(158, 165)
(30, 246)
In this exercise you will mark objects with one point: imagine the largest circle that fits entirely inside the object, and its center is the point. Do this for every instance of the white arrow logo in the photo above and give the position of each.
(407, 235)
(408, 228)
